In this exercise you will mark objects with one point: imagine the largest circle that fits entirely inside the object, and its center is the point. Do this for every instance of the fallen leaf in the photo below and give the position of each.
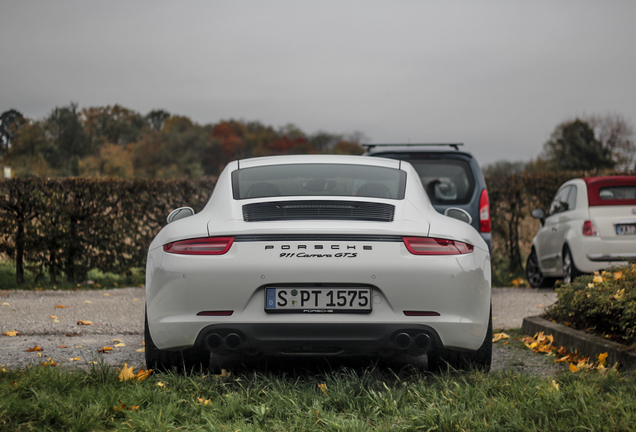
(124, 407)
(141, 350)
(84, 322)
(11, 333)
(120, 345)
(73, 334)
(60, 307)
(62, 346)
(104, 350)
(35, 348)
(573, 368)
(539, 305)
(597, 279)
(618, 276)
(126, 373)
(143, 374)
(49, 362)
(53, 316)
(87, 301)
(6, 304)
(75, 359)
(204, 401)
(117, 340)
(107, 295)
(499, 336)
(224, 374)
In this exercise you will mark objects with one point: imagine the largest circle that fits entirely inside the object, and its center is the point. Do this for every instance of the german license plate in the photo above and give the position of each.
(626, 229)
(318, 300)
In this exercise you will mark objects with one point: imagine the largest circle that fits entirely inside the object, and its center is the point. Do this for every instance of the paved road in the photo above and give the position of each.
(49, 320)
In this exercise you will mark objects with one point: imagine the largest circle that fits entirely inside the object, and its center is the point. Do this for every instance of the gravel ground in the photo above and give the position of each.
(50, 320)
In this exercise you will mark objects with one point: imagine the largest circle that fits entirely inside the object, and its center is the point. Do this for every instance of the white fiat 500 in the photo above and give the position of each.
(317, 255)
(591, 226)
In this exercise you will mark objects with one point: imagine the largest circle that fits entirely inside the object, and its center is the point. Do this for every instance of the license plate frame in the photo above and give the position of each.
(318, 300)
(625, 229)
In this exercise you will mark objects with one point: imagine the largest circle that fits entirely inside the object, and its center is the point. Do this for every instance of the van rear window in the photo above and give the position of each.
(447, 181)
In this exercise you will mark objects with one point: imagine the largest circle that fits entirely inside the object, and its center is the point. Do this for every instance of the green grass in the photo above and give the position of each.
(95, 280)
(59, 399)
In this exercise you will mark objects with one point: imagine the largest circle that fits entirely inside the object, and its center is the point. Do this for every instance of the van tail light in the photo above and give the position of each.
(484, 213)
(200, 246)
(589, 229)
(435, 246)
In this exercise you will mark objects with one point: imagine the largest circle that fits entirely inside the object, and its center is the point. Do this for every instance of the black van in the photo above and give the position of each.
(452, 179)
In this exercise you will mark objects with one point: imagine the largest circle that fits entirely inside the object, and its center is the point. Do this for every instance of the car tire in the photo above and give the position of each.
(182, 361)
(570, 272)
(450, 360)
(534, 275)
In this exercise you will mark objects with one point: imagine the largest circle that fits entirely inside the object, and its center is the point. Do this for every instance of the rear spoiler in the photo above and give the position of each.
(453, 145)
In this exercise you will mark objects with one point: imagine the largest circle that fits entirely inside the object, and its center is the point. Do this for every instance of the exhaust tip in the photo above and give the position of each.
(233, 340)
(403, 340)
(422, 341)
(213, 341)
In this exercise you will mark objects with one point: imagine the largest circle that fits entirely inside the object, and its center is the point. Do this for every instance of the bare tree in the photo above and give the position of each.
(616, 134)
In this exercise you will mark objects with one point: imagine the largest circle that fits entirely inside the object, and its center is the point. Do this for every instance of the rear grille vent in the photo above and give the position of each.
(318, 210)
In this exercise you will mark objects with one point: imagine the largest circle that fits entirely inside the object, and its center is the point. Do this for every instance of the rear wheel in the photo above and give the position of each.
(534, 275)
(448, 360)
(570, 272)
(182, 361)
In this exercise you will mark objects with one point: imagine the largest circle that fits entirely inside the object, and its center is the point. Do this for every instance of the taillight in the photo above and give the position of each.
(589, 229)
(435, 246)
(200, 246)
(484, 212)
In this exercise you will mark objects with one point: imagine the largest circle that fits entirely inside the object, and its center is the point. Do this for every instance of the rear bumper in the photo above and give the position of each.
(611, 257)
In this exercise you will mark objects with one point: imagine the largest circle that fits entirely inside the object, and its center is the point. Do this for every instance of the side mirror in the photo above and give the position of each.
(180, 213)
(538, 214)
(459, 214)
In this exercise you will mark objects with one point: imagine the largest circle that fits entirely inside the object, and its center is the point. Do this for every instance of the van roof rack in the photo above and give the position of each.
(453, 145)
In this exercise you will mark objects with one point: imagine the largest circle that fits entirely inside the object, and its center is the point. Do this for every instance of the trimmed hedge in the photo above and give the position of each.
(71, 225)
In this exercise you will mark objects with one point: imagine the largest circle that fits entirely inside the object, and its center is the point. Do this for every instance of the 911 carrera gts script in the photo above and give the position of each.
(310, 255)
(319, 250)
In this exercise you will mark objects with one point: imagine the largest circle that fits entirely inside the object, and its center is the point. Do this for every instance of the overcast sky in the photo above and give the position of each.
(496, 75)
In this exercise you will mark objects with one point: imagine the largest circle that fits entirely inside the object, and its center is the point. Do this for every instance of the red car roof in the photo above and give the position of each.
(594, 185)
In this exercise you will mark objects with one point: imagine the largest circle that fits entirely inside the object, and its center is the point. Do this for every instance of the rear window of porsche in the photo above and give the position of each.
(319, 180)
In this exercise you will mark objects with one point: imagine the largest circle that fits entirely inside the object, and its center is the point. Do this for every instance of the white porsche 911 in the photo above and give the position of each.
(317, 255)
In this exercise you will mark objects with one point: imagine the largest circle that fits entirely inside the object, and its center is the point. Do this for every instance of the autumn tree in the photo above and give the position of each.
(112, 124)
(70, 143)
(9, 121)
(573, 146)
(156, 119)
